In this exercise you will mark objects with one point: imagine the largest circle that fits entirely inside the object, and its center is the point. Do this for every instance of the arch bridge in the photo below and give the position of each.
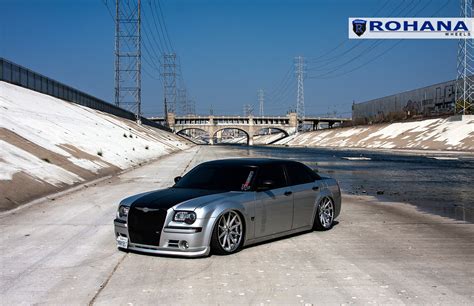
(250, 125)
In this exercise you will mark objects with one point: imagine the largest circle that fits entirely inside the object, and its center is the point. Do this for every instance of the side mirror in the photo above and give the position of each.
(266, 185)
(177, 179)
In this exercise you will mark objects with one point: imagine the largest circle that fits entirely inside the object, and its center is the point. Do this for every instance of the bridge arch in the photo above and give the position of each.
(272, 128)
(191, 128)
(274, 134)
(249, 139)
(193, 137)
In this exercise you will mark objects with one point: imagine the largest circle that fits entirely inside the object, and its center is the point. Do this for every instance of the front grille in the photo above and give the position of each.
(145, 227)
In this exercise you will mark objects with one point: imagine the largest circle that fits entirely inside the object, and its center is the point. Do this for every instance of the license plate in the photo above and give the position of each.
(122, 242)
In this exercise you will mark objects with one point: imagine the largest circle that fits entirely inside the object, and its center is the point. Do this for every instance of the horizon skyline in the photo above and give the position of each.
(228, 69)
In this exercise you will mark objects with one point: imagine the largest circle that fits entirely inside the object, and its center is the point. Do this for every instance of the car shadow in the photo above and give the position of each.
(162, 255)
(281, 238)
(211, 254)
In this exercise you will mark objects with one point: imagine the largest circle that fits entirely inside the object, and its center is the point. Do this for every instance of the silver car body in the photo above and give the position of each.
(267, 215)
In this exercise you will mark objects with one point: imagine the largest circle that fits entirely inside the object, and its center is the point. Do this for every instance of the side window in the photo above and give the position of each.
(299, 174)
(274, 173)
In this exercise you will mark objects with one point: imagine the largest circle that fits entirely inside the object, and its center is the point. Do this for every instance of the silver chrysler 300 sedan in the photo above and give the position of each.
(221, 206)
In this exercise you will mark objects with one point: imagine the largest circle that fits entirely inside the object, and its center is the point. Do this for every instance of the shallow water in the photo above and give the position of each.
(434, 183)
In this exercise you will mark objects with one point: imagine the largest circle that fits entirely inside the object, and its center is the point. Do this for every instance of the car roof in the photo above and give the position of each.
(248, 162)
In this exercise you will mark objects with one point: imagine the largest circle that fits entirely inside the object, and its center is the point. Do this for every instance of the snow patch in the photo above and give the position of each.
(61, 127)
(444, 134)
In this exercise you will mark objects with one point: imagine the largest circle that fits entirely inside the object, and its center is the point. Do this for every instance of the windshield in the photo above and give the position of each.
(218, 177)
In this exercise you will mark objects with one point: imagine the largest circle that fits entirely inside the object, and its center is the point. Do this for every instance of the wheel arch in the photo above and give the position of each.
(322, 196)
(238, 209)
(221, 209)
(215, 221)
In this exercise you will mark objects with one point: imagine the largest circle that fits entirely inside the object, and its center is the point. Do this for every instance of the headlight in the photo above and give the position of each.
(185, 216)
(122, 212)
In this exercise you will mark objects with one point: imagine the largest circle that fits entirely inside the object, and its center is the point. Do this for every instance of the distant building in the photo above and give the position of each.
(427, 101)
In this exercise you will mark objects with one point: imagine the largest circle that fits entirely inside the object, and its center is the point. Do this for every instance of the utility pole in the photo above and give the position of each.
(261, 100)
(300, 74)
(465, 67)
(128, 56)
(168, 74)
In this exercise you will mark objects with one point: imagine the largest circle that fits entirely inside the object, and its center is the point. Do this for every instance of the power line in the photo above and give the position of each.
(159, 30)
(282, 89)
(371, 47)
(288, 89)
(164, 24)
(157, 42)
(319, 58)
(366, 51)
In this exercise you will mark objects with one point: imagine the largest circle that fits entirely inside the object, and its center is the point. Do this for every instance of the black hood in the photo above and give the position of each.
(168, 198)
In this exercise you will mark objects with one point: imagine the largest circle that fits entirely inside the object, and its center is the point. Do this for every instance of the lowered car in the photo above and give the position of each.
(221, 206)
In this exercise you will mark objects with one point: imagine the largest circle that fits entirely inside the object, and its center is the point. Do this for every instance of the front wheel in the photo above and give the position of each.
(324, 215)
(228, 234)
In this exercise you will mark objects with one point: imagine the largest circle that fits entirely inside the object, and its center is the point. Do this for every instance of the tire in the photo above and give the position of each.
(228, 233)
(324, 218)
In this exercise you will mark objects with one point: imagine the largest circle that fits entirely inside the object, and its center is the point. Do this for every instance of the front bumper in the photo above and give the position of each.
(171, 241)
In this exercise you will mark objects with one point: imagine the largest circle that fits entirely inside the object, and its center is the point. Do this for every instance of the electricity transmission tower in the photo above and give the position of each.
(300, 73)
(465, 67)
(261, 100)
(168, 74)
(183, 108)
(192, 107)
(248, 110)
(128, 56)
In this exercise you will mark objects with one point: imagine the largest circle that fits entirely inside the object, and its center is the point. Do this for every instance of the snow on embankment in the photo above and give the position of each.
(47, 144)
(455, 133)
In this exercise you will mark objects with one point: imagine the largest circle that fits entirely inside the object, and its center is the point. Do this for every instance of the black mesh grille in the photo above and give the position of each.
(145, 227)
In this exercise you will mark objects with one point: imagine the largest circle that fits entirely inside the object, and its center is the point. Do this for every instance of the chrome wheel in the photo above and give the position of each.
(230, 231)
(326, 212)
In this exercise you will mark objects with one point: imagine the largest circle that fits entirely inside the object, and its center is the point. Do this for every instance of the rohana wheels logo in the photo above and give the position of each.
(410, 27)
(359, 26)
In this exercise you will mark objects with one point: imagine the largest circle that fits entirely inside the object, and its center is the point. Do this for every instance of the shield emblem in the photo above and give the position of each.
(359, 26)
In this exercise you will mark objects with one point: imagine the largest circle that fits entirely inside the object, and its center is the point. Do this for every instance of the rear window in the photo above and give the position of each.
(273, 173)
(218, 177)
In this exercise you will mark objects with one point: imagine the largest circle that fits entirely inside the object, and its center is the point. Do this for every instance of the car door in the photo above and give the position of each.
(306, 186)
(274, 207)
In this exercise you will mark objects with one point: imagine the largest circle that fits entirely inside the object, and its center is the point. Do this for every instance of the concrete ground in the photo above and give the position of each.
(62, 251)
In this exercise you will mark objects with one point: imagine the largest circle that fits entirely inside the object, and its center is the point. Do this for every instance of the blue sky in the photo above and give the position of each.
(229, 49)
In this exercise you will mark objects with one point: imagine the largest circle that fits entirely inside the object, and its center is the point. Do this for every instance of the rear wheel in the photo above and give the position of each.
(324, 215)
(228, 234)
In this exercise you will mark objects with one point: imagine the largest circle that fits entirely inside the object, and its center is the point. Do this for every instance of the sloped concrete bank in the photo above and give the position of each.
(48, 145)
(452, 134)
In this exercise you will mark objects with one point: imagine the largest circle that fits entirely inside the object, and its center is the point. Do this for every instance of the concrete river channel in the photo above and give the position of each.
(434, 183)
(404, 236)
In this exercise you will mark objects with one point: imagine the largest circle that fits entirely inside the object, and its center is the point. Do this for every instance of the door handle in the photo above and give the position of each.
(315, 188)
(288, 193)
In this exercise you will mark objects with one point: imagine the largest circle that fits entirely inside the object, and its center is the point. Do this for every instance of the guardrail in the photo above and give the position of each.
(24, 77)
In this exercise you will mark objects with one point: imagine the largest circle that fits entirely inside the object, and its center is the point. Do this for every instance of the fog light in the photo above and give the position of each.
(183, 244)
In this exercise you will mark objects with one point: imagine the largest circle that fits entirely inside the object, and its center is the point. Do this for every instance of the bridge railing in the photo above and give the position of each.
(24, 77)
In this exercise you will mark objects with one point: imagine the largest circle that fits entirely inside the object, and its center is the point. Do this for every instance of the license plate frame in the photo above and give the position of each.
(122, 242)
